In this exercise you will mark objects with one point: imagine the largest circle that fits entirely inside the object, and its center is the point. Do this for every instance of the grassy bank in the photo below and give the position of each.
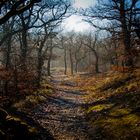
(113, 105)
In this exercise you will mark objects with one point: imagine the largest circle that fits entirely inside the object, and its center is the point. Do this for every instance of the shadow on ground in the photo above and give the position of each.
(24, 128)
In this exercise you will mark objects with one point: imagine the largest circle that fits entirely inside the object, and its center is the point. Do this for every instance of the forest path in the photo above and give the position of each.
(62, 114)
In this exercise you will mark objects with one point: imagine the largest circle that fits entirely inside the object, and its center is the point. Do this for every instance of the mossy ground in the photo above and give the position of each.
(113, 106)
(30, 101)
(12, 127)
(15, 127)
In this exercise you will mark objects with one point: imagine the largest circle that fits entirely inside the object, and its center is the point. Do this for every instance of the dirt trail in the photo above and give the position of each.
(62, 114)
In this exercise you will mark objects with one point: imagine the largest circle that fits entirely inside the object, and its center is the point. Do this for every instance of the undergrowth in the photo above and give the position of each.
(32, 100)
(113, 104)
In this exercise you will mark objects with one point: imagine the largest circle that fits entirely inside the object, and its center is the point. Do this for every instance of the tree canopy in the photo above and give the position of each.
(9, 8)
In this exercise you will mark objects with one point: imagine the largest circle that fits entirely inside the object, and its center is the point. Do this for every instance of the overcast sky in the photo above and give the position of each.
(75, 22)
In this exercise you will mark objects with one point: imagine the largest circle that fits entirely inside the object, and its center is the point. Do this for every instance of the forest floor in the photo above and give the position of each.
(82, 107)
(86, 107)
(62, 113)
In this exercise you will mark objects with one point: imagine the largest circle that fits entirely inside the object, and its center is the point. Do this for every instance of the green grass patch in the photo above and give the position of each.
(15, 126)
(116, 112)
(43, 91)
(120, 97)
(32, 100)
(99, 107)
(29, 102)
(119, 128)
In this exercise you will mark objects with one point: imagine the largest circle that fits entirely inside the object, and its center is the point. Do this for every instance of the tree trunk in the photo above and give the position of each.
(24, 47)
(76, 62)
(125, 35)
(39, 68)
(76, 66)
(16, 80)
(49, 62)
(65, 60)
(7, 62)
(48, 67)
(24, 43)
(96, 61)
(71, 61)
(8, 52)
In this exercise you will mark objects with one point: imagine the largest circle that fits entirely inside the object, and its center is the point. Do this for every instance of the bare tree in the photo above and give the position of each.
(56, 15)
(71, 45)
(9, 8)
(80, 51)
(28, 49)
(62, 41)
(121, 14)
(92, 45)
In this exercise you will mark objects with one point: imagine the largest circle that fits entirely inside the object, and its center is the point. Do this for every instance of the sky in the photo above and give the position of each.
(75, 22)
(83, 3)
